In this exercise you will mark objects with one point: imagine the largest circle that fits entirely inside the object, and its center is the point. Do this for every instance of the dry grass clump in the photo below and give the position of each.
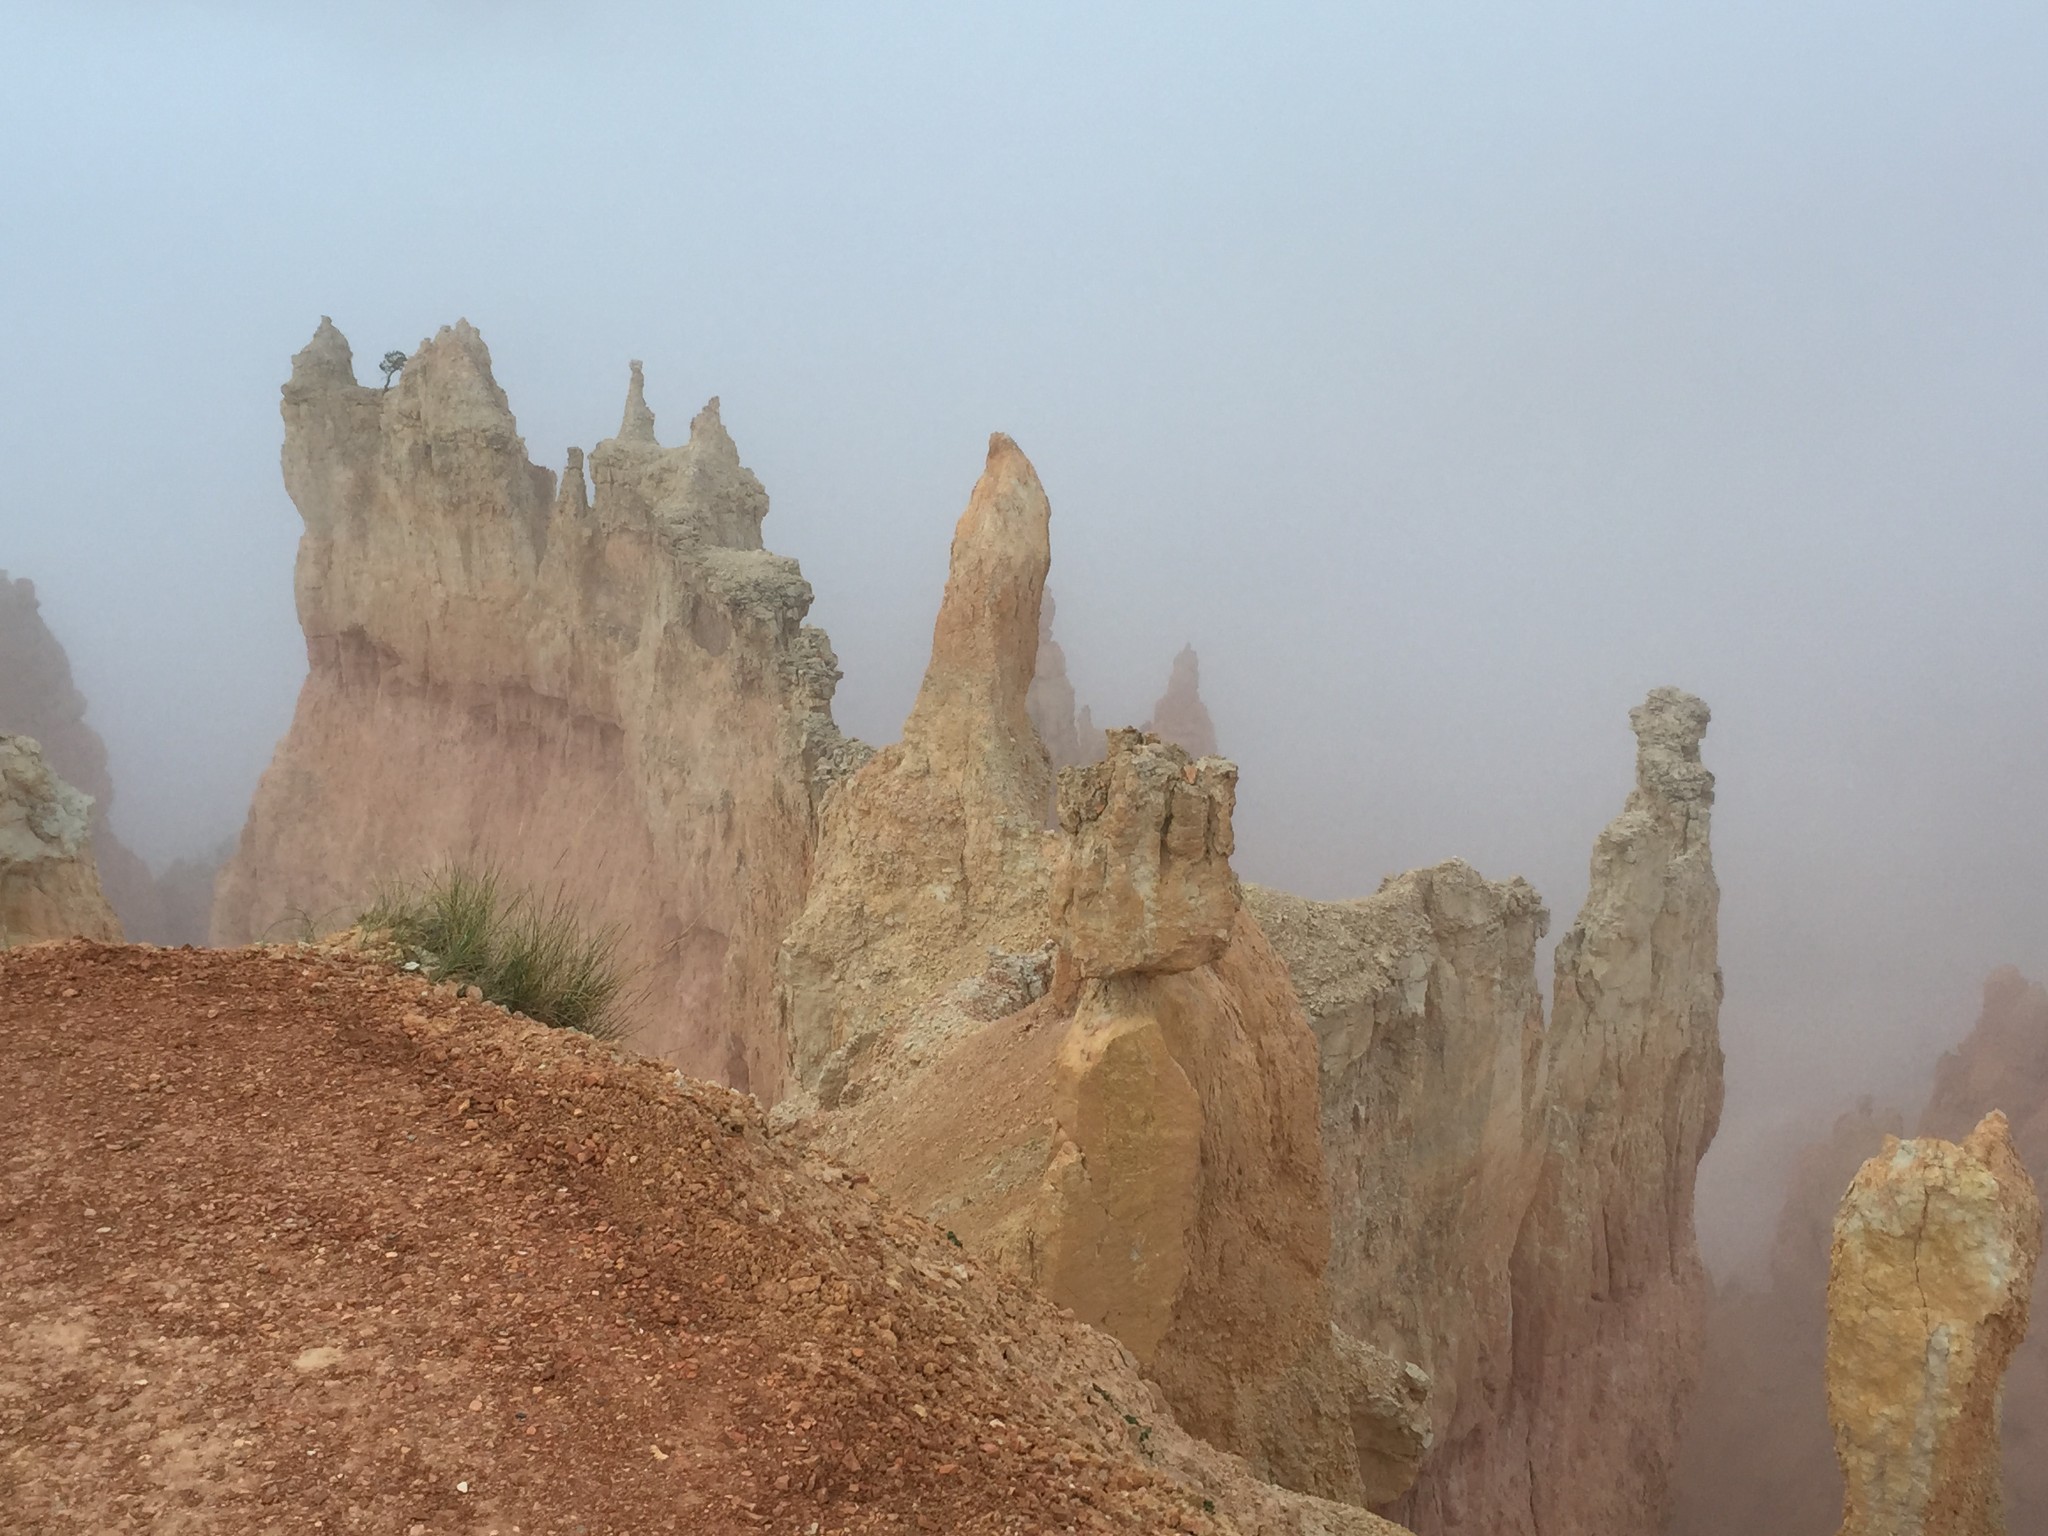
(527, 951)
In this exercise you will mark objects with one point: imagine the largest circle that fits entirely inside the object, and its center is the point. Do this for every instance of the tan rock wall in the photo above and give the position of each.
(1513, 1203)
(49, 888)
(1930, 1282)
(613, 696)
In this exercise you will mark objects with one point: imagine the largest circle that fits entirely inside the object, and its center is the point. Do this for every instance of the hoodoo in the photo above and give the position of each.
(1760, 1440)
(610, 692)
(1051, 702)
(1180, 716)
(1928, 1294)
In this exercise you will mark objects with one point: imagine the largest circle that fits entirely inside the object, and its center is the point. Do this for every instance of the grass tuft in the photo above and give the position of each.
(526, 951)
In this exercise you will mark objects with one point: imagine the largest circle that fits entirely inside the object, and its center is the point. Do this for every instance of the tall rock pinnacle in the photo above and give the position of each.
(1928, 1293)
(638, 424)
(933, 850)
(1180, 716)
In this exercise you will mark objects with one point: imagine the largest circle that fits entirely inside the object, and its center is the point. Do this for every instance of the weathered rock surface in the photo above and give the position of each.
(1931, 1276)
(606, 691)
(39, 699)
(1424, 1001)
(49, 888)
(1068, 733)
(1760, 1438)
(1143, 882)
(1073, 1050)
(1513, 1203)
(1180, 716)
(932, 854)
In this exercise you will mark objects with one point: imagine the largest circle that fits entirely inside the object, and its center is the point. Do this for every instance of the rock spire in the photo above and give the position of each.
(1180, 716)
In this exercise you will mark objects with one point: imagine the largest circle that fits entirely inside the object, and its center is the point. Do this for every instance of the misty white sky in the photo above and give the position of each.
(1448, 374)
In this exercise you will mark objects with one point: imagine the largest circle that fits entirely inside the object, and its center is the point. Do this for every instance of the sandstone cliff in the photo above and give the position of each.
(608, 690)
(38, 698)
(1180, 716)
(1074, 1051)
(1760, 1440)
(1930, 1279)
(49, 888)
(1513, 1203)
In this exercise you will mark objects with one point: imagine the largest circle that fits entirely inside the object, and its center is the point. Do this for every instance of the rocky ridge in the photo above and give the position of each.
(1514, 1202)
(287, 1230)
(605, 689)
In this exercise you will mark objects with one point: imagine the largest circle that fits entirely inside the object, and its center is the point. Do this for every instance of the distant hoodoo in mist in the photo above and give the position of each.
(1180, 716)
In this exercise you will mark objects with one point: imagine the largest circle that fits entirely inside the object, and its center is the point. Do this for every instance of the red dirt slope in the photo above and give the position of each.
(290, 1243)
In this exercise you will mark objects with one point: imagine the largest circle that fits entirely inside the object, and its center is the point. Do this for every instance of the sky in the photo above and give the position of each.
(1448, 374)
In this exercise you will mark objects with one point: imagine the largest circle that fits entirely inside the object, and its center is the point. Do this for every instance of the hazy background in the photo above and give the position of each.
(1448, 374)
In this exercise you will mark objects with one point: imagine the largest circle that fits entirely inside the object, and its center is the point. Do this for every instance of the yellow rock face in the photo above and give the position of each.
(1930, 1276)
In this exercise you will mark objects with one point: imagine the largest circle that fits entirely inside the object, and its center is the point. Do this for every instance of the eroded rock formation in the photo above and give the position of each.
(1514, 1203)
(1074, 1050)
(1930, 1281)
(49, 888)
(39, 699)
(1424, 1001)
(1760, 1439)
(1180, 716)
(609, 691)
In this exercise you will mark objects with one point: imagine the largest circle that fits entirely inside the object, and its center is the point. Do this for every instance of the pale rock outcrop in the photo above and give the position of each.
(1428, 1018)
(49, 888)
(1759, 1440)
(606, 691)
(1143, 882)
(1068, 733)
(1931, 1275)
(932, 854)
(1111, 1089)
(39, 699)
(1513, 1203)
(1180, 716)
